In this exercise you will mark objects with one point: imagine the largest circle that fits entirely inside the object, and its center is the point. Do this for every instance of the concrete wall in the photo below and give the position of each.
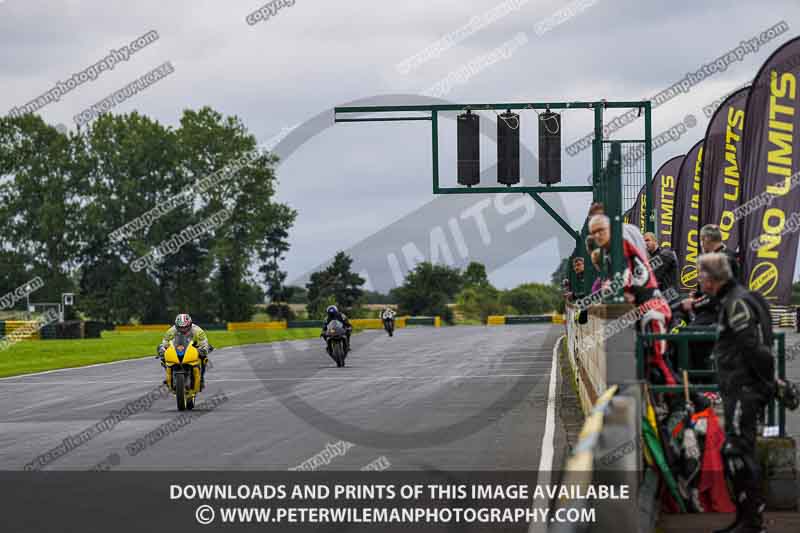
(601, 351)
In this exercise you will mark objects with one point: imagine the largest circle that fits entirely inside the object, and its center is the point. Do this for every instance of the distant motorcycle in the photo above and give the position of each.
(336, 338)
(388, 325)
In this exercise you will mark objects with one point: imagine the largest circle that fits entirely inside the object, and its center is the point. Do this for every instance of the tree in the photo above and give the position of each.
(372, 297)
(128, 165)
(62, 197)
(427, 290)
(532, 298)
(39, 205)
(257, 231)
(336, 285)
(475, 275)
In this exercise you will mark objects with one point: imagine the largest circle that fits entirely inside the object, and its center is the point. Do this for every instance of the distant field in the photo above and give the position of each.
(36, 356)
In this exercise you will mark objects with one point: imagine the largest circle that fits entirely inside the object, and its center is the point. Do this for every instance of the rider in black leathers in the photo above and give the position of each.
(704, 308)
(333, 313)
(746, 373)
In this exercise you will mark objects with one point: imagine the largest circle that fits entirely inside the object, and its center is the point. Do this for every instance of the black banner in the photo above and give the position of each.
(664, 183)
(687, 209)
(770, 200)
(720, 187)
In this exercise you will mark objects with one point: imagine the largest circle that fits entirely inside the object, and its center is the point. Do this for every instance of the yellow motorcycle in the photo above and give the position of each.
(183, 366)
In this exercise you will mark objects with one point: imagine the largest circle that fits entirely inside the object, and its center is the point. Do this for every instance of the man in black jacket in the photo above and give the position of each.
(703, 306)
(666, 268)
(746, 373)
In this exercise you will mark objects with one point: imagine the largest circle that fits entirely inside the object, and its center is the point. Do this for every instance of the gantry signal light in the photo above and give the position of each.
(469, 147)
(508, 148)
(549, 148)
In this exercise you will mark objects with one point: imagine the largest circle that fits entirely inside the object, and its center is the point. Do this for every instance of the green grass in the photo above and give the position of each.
(37, 356)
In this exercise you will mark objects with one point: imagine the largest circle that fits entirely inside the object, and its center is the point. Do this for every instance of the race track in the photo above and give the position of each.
(458, 398)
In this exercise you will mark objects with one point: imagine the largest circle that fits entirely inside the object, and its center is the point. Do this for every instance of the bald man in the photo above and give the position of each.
(641, 289)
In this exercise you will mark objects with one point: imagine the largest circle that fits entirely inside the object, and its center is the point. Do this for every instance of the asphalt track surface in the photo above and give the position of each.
(457, 398)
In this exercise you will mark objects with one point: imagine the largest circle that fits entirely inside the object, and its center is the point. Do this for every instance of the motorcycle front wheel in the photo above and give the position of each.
(338, 353)
(180, 389)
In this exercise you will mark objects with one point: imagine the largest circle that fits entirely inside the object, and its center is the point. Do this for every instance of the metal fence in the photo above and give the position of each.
(683, 342)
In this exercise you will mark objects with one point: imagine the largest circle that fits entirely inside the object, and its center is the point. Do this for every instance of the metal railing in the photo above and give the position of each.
(683, 340)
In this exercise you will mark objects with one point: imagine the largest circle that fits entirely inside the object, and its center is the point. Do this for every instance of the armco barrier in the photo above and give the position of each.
(424, 321)
(360, 323)
(245, 326)
(528, 319)
(499, 320)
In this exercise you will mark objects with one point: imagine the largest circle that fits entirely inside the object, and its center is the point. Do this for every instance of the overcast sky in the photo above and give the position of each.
(352, 180)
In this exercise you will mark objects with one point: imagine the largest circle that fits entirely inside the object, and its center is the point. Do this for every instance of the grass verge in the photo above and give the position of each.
(37, 356)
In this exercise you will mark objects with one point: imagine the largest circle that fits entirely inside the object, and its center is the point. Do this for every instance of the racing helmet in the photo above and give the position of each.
(183, 323)
(332, 311)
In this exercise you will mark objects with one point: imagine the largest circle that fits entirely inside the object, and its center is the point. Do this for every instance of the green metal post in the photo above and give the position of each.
(435, 148)
(613, 209)
(597, 153)
(683, 353)
(648, 167)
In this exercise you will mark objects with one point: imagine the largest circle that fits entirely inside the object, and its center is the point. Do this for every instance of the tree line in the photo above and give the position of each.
(426, 291)
(65, 196)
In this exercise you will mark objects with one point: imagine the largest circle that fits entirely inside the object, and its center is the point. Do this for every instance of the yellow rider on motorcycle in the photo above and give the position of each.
(184, 326)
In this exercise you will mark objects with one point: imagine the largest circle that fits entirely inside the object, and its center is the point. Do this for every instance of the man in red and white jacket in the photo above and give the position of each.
(641, 289)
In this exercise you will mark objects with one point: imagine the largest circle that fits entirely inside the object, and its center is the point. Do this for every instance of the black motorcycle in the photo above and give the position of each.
(336, 338)
(388, 325)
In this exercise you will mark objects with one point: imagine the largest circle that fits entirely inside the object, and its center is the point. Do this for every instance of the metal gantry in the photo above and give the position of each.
(606, 181)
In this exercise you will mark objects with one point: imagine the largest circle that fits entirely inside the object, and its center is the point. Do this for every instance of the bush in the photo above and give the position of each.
(427, 290)
(533, 299)
(478, 302)
(92, 329)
